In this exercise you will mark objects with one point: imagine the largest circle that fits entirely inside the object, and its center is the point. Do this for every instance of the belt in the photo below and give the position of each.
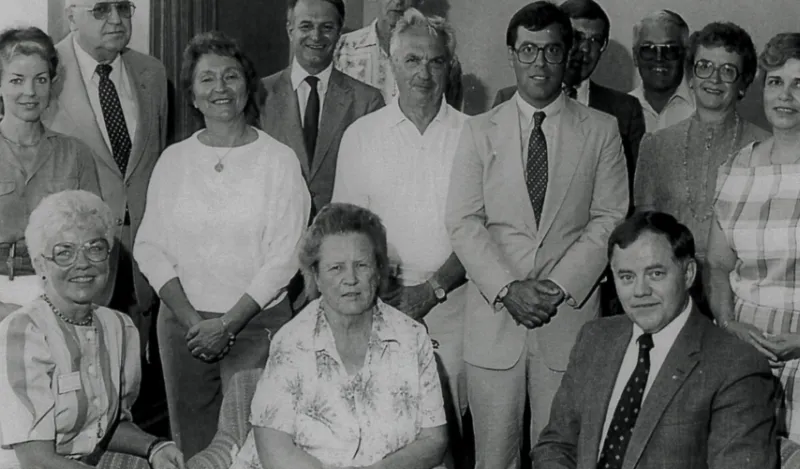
(14, 260)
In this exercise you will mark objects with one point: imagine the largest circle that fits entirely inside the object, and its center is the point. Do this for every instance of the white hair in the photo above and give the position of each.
(64, 211)
(661, 17)
(435, 26)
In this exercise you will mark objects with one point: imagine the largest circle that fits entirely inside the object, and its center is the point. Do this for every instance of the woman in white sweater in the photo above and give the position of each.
(225, 210)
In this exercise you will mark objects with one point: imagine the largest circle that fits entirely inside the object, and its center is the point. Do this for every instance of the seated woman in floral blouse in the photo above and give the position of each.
(350, 381)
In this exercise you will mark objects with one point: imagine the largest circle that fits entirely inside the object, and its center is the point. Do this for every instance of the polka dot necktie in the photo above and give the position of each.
(621, 427)
(536, 169)
(114, 118)
(311, 118)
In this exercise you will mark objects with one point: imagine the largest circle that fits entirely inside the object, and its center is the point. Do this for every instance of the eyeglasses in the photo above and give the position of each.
(652, 52)
(728, 73)
(594, 42)
(102, 10)
(66, 254)
(553, 53)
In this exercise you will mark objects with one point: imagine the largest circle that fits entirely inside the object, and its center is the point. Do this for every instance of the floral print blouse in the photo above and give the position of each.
(341, 419)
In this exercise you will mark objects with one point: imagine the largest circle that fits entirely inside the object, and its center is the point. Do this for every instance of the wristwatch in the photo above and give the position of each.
(498, 301)
(441, 295)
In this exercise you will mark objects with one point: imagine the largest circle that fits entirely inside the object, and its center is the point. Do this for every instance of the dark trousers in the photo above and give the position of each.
(195, 388)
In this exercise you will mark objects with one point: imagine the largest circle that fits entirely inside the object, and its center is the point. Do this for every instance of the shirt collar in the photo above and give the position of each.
(299, 75)
(664, 338)
(367, 36)
(382, 330)
(88, 64)
(396, 115)
(682, 93)
(583, 91)
(527, 111)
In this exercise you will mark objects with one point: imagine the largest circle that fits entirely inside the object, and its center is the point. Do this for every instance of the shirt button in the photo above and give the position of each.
(118, 221)
(90, 335)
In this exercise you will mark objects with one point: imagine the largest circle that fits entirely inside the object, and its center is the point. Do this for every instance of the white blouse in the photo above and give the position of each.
(226, 233)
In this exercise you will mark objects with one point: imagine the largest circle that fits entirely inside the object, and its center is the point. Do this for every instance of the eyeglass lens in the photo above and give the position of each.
(650, 52)
(103, 9)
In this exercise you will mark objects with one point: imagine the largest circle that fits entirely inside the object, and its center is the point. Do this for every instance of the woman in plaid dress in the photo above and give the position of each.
(754, 246)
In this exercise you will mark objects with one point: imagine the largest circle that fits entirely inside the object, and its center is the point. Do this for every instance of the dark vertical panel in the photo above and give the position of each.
(260, 28)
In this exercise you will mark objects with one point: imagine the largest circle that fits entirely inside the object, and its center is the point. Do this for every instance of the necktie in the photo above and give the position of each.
(571, 91)
(619, 432)
(114, 118)
(311, 118)
(536, 171)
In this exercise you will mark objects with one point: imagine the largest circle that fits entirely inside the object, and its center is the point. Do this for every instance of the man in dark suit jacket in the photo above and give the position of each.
(314, 28)
(592, 27)
(124, 165)
(670, 389)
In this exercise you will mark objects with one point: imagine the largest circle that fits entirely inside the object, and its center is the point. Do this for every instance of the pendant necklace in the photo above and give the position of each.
(220, 166)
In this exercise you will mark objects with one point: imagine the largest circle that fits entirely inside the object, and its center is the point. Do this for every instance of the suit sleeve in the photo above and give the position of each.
(645, 175)
(584, 262)
(376, 102)
(557, 447)
(635, 133)
(466, 220)
(742, 427)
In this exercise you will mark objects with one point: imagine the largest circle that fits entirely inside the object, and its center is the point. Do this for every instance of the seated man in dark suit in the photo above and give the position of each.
(670, 389)
(592, 27)
(312, 118)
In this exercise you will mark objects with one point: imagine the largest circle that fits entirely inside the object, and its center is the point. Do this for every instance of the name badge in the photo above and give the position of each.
(69, 382)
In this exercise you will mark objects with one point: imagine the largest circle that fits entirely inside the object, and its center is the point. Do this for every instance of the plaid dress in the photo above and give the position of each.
(758, 208)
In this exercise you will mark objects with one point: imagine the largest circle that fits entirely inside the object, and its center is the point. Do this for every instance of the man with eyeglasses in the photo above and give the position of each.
(114, 99)
(537, 186)
(592, 26)
(659, 50)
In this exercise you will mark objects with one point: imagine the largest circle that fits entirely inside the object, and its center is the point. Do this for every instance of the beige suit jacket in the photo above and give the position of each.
(494, 231)
(70, 112)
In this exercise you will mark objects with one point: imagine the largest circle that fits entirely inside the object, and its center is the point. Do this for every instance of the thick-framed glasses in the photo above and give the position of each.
(652, 52)
(66, 254)
(553, 53)
(102, 10)
(728, 73)
(594, 42)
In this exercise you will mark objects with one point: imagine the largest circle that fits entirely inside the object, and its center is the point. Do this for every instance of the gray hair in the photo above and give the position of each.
(661, 17)
(435, 25)
(64, 211)
(337, 219)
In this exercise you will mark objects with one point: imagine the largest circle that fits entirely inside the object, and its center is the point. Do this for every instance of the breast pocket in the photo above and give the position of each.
(58, 185)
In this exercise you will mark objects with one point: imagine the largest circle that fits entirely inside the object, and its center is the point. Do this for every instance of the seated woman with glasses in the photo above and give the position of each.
(677, 166)
(34, 161)
(69, 369)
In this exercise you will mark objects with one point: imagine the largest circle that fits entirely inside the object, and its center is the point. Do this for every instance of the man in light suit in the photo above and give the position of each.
(337, 100)
(537, 186)
(121, 113)
(669, 389)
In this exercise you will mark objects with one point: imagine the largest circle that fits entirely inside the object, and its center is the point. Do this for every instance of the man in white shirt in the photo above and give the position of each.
(114, 99)
(396, 162)
(659, 49)
(669, 389)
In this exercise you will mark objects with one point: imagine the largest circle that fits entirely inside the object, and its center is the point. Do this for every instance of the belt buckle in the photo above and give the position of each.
(10, 261)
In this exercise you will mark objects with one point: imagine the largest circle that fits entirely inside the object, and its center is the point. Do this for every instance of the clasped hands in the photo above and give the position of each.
(778, 348)
(533, 302)
(208, 340)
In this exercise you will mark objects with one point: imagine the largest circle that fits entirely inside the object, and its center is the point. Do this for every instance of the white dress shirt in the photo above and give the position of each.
(118, 76)
(679, 107)
(303, 89)
(224, 234)
(662, 343)
(583, 92)
(551, 128)
(387, 166)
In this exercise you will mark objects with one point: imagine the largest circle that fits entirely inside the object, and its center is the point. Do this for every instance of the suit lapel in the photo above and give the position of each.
(680, 361)
(505, 143)
(569, 152)
(288, 116)
(334, 109)
(599, 100)
(74, 101)
(139, 79)
(603, 378)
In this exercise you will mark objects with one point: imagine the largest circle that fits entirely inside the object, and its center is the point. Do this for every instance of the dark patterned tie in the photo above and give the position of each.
(114, 118)
(311, 118)
(536, 172)
(621, 427)
(571, 91)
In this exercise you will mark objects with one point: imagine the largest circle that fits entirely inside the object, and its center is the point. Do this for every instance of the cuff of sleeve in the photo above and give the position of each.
(264, 296)
(568, 298)
(493, 291)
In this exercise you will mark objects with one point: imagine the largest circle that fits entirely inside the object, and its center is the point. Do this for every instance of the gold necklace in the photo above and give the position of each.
(220, 166)
(691, 203)
(85, 323)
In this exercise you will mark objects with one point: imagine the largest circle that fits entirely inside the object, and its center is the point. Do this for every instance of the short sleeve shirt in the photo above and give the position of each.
(64, 383)
(341, 419)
